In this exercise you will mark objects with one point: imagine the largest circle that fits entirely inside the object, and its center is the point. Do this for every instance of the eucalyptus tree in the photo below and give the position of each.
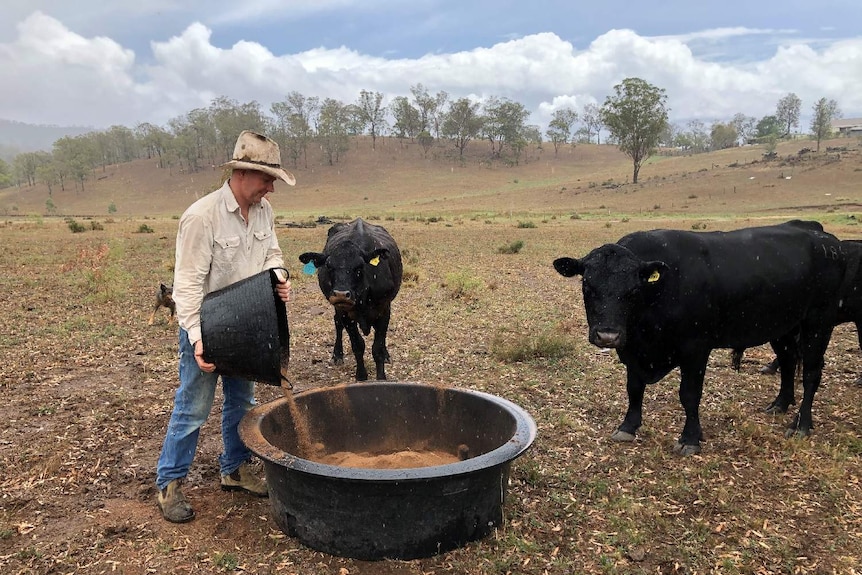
(294, 118)
(77, 155)
(787, 112)
(591, 118)
(332, 130)
(723, 136)
(745, 126)
(154, 140)
(462, 123)
(636, 116)
(408, 123)
(425, 104)
(372, 113)
(560, 127)
(504, 124)
(821, 122)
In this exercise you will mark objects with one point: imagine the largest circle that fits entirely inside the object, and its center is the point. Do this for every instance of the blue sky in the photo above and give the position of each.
(97, 63)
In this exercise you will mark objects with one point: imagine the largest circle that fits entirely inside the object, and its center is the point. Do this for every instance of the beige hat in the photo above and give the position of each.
(254, 151)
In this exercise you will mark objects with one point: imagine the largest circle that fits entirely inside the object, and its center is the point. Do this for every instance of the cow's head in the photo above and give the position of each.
(616, 285)
(345, 272)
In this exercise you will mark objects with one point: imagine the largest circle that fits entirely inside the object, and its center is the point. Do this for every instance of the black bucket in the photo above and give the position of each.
(245, 331)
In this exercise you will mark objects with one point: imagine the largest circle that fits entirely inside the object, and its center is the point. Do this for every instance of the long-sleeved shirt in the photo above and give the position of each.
(216, 248)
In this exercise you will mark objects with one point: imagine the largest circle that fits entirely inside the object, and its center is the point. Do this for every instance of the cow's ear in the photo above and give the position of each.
(569, 267)
(374, 257)
(318, 258)
(653, 273)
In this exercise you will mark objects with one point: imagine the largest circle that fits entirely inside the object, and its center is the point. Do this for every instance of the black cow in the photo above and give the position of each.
(359, 273)
(666, 298)
(849, 305)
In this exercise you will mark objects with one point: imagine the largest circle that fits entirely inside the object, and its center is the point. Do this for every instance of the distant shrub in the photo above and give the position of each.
(698, 226)
(462, 284)
(145, 229)
(96, 225)
(112, 208)
(526, 225)
(575, 217)
(512, 248)
(76, 226)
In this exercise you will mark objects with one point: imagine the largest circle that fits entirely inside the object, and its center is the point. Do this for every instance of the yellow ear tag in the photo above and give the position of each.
(374, 261)
(654, 277)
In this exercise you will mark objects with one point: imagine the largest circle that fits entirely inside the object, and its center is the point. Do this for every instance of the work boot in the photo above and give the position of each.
(242, 479)
(174, 505)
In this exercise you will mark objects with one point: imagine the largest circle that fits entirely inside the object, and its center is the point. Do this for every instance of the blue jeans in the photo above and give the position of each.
(192, 404)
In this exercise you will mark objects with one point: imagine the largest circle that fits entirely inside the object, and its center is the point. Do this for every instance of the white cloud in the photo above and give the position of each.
(66, 78)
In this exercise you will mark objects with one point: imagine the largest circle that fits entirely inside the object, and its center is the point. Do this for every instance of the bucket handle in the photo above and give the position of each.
(283, 274)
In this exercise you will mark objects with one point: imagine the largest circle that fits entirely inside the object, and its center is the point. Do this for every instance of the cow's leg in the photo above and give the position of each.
(813, 347)
(786, 349)
(357, 344)
(690, 392)
(338, 348)
(859, 335)
(378, 348)
(635, 387)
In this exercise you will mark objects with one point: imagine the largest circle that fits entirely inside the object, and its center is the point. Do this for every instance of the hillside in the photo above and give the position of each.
(398, 180)
(18, 137)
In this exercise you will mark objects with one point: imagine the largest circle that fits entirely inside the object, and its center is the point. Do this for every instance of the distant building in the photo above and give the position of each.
(847, 126)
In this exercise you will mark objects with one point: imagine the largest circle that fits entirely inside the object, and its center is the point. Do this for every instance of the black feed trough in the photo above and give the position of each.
(401, 513)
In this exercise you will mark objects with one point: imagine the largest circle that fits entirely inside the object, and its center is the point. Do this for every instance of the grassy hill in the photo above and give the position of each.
(398, 180)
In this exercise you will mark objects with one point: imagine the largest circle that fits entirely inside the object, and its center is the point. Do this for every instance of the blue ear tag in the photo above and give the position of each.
(309, 268)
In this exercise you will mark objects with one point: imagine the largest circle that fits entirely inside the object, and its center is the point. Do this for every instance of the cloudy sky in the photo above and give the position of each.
(99, 63)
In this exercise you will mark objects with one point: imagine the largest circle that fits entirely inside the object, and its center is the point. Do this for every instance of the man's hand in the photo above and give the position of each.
(199, 357)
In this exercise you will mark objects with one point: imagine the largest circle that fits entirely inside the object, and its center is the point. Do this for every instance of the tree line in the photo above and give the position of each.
(635, 118)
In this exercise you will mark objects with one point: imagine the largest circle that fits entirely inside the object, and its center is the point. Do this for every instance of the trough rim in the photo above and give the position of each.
(525, 433)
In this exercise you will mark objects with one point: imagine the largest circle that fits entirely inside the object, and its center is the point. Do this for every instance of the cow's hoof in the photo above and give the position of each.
(622, 436)
(775, 409)
(858, 382)
(768, 370)
(794, 432)
(685, 450)
(337, 361)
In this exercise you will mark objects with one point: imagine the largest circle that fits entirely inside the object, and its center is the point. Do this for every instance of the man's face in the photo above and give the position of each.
(255, 185)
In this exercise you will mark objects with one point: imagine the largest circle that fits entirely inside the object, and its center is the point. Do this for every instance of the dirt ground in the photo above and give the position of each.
(88, 388)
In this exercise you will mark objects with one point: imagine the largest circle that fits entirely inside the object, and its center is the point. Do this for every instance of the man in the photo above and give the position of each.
(224, 237)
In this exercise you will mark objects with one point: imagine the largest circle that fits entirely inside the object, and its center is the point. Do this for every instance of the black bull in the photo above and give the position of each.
(359, 273)
(667, 298)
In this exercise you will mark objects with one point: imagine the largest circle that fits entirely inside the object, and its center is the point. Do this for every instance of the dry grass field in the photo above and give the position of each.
(88, 385)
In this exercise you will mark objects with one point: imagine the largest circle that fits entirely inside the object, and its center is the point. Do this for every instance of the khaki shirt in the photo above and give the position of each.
(216, 248)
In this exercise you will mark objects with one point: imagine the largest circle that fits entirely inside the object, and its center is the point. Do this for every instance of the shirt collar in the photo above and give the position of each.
(230, 202)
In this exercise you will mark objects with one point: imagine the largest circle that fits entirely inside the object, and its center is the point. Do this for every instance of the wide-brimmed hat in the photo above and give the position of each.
(255, 151)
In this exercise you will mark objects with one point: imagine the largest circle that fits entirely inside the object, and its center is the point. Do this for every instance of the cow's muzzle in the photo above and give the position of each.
(342, 299)
(606, 338)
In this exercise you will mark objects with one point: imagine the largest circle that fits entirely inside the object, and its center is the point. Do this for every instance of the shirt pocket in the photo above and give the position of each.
(225, 252)
(262, 240)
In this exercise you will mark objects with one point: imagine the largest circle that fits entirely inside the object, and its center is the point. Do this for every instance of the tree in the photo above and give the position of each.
(767, 128)
(5, 174)
(332, 130)
(294, 118)
(787, 112)
(821, 123)
(371, 113)
(425, 104)
(636, 116)
(407, 121)
(744, 126)
(723, 136)
(462, 123)
(504, 124)
(591, 118)
(560, 127)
